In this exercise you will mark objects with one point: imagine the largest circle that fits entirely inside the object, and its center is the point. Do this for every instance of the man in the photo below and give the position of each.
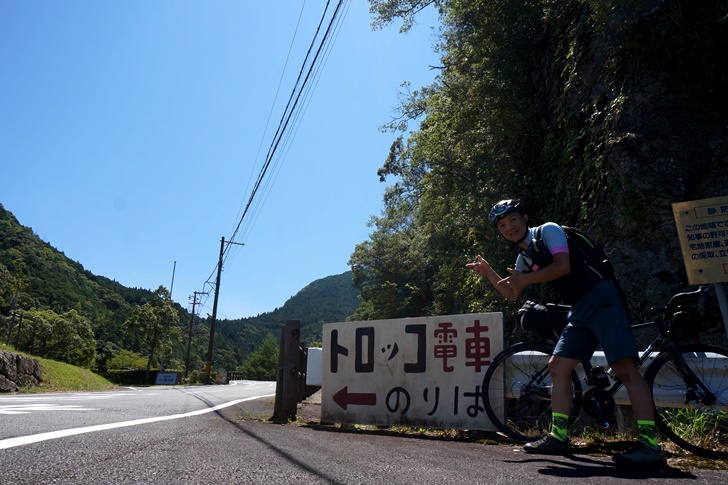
(597, 316)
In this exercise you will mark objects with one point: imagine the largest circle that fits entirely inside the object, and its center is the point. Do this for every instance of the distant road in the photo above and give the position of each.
(220, 435)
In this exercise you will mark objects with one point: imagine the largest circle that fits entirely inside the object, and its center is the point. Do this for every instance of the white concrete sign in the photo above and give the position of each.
(414, 371)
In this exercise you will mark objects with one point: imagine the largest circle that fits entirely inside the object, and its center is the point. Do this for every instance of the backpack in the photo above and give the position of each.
(592, 254)
(589, 262)
(582, 251)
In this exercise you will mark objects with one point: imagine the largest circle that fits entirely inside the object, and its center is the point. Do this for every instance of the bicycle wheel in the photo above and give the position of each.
(682, 414)
(517, 391)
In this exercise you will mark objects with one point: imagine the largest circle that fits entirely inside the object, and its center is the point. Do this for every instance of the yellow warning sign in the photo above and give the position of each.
(702, 226)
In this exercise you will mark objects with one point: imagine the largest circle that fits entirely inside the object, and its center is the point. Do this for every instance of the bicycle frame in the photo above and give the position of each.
(661, 345)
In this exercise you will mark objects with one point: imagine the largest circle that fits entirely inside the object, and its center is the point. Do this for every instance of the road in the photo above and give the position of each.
(219, 434)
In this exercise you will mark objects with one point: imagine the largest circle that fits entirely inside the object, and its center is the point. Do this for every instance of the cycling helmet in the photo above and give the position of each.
(502, 209)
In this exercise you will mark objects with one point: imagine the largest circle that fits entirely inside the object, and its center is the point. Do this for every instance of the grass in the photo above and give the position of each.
(598, 442)
(58, 377)
(695, 426)
(676, 457)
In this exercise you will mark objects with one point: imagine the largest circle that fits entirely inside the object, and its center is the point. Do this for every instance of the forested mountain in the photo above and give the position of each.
(59, 296)
(33, 274)
(595, 114)
(327, 300)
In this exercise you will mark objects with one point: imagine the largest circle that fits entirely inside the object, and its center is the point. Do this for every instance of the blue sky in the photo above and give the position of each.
(131, 134)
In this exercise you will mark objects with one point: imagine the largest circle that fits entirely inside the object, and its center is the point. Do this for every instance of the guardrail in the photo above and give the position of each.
(665, 397)
(232, 375)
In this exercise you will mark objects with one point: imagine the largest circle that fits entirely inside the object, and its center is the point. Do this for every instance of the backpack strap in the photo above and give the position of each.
(537, 251)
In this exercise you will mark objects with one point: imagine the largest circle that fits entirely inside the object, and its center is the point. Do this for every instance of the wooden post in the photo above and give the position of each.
(302, 364)
(291, 347)
(286, 401)
(278, 406)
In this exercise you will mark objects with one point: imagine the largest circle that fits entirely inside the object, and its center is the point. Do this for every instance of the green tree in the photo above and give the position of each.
(127, 359)
(262, 364)
(472, 122)
(386, 11)
(592, 113)
(66, 338)
(154, 323)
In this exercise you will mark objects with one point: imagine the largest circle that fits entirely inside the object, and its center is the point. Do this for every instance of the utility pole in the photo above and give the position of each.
(189, 338)
(12, 318)
(174, 269)
(208, 364)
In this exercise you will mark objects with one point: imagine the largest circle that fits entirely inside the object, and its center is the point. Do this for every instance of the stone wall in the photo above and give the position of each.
(17, 371)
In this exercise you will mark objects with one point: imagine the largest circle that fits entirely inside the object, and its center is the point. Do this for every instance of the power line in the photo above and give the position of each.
(301, 91)
(275, 98)
(290, 108)
(307, 98)
(292, 113)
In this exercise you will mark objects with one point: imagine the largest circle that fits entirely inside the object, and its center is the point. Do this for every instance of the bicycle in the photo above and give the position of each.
(689, 384)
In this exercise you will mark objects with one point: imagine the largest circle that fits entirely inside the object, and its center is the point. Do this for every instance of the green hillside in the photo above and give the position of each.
(35, 275)
(56, 295)
(327, 300)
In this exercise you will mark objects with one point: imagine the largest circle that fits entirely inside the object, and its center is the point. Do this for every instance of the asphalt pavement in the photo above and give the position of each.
(239, 444)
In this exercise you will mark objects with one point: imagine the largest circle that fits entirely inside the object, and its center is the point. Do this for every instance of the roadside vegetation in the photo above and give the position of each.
(58, 376)
(595, 443)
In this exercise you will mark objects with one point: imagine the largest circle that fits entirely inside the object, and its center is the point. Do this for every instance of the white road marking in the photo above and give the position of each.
(28, 408)
(60, 397)
(213, 390)
(26, 440)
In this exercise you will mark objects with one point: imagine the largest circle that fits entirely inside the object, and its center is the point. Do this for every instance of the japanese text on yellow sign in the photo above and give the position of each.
(702, 226)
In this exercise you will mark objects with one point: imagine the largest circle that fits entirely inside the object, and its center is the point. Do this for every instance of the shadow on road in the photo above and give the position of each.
(283, 454)
(575, 466)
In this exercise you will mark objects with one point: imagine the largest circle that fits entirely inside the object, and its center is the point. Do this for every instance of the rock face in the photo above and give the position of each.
(18, 371)
(640, 127)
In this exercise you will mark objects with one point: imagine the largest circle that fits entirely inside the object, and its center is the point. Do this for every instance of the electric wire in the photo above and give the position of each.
(282, 155)
(208, 281)
(290, 114)
(287, 114)
(275, 100)
(303, 97)
(269, 156)
(271, 150)
(301, 93)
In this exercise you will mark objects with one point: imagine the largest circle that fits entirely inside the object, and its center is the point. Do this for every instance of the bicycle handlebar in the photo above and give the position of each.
(675, 300)
(555, 307)
(680, 299)
(691, 294)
